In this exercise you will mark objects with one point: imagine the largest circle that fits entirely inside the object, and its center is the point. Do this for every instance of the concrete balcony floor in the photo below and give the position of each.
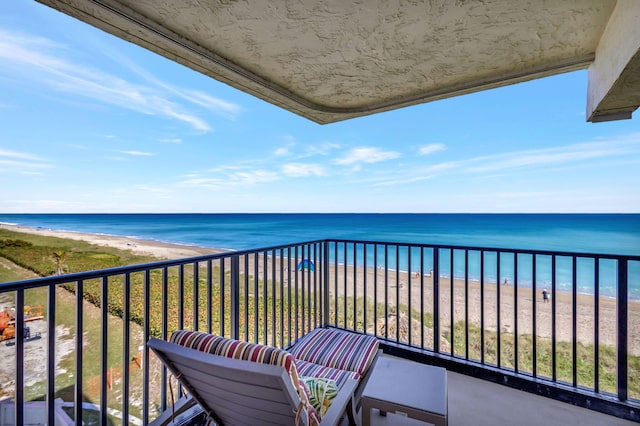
(481, 403)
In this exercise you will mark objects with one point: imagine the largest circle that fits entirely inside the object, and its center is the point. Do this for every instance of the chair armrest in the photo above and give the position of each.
(339, 404)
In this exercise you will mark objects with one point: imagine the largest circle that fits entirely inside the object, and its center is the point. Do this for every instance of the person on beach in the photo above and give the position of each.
(545, 296)
(506, 281)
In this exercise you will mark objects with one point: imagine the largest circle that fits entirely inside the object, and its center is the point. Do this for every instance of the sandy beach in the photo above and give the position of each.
(526, 301)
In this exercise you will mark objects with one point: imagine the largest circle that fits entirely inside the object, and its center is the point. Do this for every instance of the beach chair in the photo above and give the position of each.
(240, 383)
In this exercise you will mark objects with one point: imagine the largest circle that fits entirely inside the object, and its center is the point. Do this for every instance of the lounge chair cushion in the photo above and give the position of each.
(230, 348)
(338, 349)
(310, 369)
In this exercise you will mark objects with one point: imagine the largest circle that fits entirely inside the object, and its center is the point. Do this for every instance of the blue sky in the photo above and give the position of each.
(91, 123)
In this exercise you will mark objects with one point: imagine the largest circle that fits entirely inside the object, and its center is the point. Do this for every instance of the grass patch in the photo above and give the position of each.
(544, 353)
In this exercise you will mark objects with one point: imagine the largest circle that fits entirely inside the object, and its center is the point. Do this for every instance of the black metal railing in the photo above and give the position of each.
(475, 310)
(482, 311)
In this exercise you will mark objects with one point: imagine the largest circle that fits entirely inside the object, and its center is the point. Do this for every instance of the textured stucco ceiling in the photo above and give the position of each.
(337, 59)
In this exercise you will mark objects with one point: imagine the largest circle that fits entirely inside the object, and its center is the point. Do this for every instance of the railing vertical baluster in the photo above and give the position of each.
(196, 296)
(410, 284)
(297, 307)
(375, 289)
(622, 297)
(596, 325)
(126, 350)
(398, 285)
(498, 304)
(554, 364)
(574, 320)
(386, 291)
(235, 297)
(355, 286)
(325, 267)
(281, 298)
(273, 297)
(104, 347)
(246, 297)
(482, 306)
(78, 398)
(421, 269)
(309, 295)
(19, 337)
(146, 334)
(435, 278)
(344, 294)
(303, 295)
(515, 312)
(316, 290)
(466, 304)
(181, 297)
(335, 283)
(534, 277)
(451, 302)
(223, 310)
(51, 353)
(209, 296)
(265, 294)
(165, 333)
(364, 293)
(256, 297)
(289, 295)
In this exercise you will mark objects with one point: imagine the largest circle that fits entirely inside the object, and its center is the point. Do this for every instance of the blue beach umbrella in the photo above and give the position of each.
(306, 263)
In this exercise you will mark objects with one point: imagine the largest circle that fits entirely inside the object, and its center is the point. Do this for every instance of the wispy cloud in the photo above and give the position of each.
(568, 154)
(46, 62)
(230, 179)
(22, 163)
(533, 160)
(137, 153)
(306, 150)
(19, 155)
(366, 155)
(431, 148)
(171, 140)
(302, 169)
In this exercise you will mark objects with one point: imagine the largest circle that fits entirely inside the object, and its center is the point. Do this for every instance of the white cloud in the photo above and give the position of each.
(302, 169)
(568, 154)
(138, 153)
(282, 151)
(430, 149)
(22, 163)
(19, 155)
(366, 155)
(171, 140)
(43, 62)
(230, 179)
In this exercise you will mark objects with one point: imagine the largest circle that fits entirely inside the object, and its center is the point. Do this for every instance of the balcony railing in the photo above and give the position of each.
(479, 311)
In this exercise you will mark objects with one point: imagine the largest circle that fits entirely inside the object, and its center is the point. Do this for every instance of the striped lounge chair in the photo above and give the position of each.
(316, 382)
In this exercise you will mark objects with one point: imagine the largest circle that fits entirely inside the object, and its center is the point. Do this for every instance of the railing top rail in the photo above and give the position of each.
(78, 276)
(493, 249)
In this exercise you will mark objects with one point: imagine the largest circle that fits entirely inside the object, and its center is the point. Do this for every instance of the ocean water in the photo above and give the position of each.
(617, 234)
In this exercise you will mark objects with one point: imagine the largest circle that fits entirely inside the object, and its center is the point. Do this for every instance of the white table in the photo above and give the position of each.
(408, 389)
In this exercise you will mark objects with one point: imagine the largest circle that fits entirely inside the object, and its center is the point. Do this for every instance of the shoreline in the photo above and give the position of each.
(140, 246)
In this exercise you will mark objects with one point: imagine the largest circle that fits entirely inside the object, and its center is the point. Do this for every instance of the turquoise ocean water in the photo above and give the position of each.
(585, 233)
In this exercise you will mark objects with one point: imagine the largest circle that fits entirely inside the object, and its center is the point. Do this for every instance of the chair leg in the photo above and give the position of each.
(351, 413)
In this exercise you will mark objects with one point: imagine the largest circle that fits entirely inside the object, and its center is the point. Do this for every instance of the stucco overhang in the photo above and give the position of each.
(337, 59)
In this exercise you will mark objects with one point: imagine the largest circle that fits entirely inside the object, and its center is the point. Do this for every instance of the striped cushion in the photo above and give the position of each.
(337, 349)
(309, 369)
(236, 349)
